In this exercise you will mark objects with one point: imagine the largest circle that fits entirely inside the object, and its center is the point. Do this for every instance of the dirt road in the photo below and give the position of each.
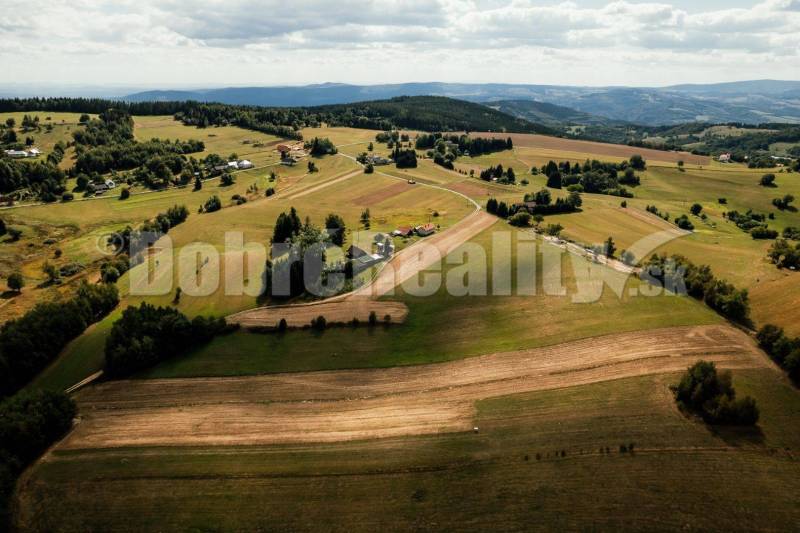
(375, 403)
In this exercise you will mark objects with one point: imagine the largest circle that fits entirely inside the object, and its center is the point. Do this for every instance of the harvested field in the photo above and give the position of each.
(302, 314)
(601, 149)
(294, 193)
(380, 195)
(364, 404)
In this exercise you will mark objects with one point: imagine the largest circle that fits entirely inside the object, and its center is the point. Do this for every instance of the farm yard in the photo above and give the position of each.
(498, 397)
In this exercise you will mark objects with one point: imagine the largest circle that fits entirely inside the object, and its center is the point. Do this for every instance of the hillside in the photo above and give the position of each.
(431, 113)
(551, 115)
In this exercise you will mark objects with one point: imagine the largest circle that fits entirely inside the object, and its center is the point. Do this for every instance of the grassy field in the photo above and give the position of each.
(730, 252)
(474, 324)
(541, 460)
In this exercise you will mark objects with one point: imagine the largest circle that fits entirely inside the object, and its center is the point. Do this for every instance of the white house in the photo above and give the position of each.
(244, 163)
(233, 165)
(110, 184)
(725, 158)
(17, 154)
(34, 152)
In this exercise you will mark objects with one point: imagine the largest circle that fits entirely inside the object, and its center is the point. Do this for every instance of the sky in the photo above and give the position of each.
(218, 43)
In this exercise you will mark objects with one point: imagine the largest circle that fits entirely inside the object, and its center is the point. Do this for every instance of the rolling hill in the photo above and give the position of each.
(750, 102)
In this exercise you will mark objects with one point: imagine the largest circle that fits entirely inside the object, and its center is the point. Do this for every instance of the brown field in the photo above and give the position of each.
(301, 315)
(601, 149)
(344, 405)
(295, 193)
(380, 195)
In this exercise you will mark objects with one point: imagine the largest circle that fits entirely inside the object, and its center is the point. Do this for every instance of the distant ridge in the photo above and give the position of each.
(751, 102)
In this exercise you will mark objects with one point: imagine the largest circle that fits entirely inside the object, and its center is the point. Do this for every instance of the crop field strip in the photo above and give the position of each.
(362, 404)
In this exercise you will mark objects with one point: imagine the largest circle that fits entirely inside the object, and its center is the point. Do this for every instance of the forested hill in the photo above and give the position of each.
(429, 113)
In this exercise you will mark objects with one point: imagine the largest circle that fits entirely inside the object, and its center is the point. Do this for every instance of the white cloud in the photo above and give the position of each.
(220, 42)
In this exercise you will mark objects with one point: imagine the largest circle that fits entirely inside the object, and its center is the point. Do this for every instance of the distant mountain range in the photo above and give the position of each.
(749, 102)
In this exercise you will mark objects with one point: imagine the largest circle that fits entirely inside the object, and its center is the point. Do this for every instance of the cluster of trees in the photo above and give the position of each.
(753, 223)
(679, 275)
(710, 394)
(404, 158)
(784, 254)
(302, 265)
(161, 224)
(784, 350)
(319, 147)
(594, 176)
(146, 335)
(43, 180)
(653, 209)
(500, 174)
(30, 422)
(464, 144)
(785, 203)
(537, 204)
(29, 343)
(684, 223)
(107, 144)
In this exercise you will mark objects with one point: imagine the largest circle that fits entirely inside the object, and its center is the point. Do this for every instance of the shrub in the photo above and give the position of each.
(709, 394)
(125, 193)
(521, 219)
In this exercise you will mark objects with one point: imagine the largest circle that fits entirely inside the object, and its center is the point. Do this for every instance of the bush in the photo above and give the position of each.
(15, 281)
(125, 193)
(521, 220)
(767, 180)
(684, 223)
(711, 395)
(212, 204)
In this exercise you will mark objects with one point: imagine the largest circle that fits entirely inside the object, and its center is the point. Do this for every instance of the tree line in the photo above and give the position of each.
(29, 343)
(30, 422)
(146, 335)
(680, 276)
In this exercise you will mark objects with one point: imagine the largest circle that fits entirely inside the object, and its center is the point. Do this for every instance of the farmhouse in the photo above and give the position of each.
(354, 252)
(244, 163)
(725, 158)
(16, 154)
(425, 229)
(110, 184)
(378, 160)
(403, 231)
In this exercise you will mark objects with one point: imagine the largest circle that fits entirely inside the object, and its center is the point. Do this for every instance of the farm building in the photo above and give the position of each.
(425, 229)
(725, 158)
(244, 163)
(378, 160)
(354, 252)
(403, 231)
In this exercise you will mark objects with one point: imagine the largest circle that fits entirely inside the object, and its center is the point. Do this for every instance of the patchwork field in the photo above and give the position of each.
(515, 385)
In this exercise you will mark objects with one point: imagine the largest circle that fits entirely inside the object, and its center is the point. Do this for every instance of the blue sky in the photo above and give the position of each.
(171, 43)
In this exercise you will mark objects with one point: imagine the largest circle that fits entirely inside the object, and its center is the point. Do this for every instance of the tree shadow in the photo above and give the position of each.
(739, 436)
(8, 294)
